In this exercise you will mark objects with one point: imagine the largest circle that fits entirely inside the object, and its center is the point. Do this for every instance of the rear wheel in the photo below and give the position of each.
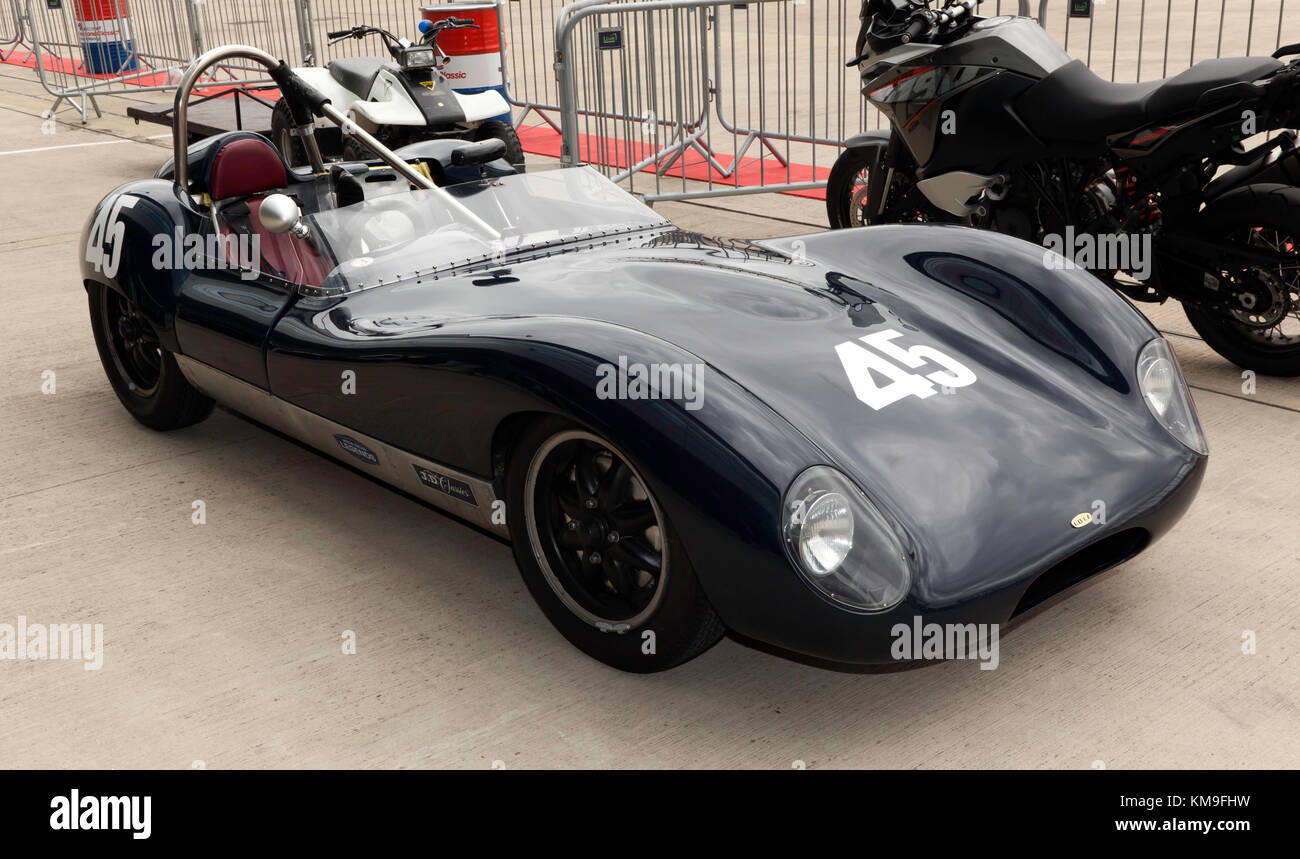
(143, 374)
(599, 555)
(1261, 331)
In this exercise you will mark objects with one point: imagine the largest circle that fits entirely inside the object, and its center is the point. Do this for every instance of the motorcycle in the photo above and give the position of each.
(1182, 188)
(397, 102)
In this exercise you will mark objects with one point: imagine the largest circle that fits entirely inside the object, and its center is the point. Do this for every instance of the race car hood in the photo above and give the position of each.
(1045, 423)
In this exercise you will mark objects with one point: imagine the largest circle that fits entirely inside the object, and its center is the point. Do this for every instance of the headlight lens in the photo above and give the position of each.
(1167, 396)
(826, 532)
(842, 544)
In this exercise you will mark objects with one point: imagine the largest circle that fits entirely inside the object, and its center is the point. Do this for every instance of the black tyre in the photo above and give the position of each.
(846, 194)
(598, 554)
(1262, 333)
(503, 131)
(846, 189)
(328, 138)
(143, 374)
(290, 147)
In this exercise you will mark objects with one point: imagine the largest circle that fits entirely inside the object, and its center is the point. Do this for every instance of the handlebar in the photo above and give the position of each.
(361, 32)
(954, 12)
(919, 23)
(923, 21)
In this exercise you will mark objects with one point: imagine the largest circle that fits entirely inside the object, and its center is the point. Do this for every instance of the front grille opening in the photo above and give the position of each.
(1087, 562)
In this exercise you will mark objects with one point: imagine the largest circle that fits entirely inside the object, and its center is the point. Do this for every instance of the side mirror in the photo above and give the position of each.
(280, 214)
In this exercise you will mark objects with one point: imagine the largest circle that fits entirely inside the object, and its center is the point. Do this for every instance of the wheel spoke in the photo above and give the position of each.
(567, 498)
(639, 555)
(587, 472)
(633, 517)
(622, 578)
(613, 484)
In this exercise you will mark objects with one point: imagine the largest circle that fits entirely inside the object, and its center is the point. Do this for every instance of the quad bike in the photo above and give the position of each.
(399, 102)
(993, 125)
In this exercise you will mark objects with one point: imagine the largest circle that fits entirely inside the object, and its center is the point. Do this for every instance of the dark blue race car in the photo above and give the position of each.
(807, 441)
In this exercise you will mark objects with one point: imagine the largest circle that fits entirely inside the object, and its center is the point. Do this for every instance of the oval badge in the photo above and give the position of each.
(357, 449)
(1081, 520)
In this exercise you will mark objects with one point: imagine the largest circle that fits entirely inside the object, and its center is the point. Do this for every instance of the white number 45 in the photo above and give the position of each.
(891, 361)
(105, 231)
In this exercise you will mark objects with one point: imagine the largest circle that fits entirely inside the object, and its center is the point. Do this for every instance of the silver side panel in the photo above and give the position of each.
(956, 192)
(1017, 44)
(462, 495)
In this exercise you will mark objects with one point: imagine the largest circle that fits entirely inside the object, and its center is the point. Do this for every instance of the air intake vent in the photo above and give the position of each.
(1088, 562)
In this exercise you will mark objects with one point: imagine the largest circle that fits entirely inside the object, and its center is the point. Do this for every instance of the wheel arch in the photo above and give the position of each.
(118, 244)
(719, 471)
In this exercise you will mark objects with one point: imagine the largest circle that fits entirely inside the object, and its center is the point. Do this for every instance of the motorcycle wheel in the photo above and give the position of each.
(503, 131)
(846, 195)
(1265, 339)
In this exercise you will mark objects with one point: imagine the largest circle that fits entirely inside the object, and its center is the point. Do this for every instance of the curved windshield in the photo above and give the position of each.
(412, 234)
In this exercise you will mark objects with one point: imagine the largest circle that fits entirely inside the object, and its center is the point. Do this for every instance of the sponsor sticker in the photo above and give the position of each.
(457, 489)
(1081, 520)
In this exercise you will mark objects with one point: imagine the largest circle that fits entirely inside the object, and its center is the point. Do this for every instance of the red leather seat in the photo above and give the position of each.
(246, 166)
(250, 167)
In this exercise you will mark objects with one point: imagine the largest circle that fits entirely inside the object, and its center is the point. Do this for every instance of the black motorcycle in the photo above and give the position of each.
(1182, 188)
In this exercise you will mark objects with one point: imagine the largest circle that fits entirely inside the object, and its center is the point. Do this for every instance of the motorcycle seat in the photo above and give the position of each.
(1074, 104)
(1179, 94)
(356, 74)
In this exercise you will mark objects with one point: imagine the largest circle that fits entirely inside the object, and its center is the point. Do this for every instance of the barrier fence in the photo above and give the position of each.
(11, 28)
(673, 98)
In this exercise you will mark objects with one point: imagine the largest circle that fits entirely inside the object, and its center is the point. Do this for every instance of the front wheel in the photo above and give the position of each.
(599, 555)
(1261, 331)
(328, 139)
(144, 375)
(847, 189)
(291, 148)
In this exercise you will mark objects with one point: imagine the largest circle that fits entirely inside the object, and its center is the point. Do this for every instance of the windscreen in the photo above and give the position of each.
(409, 235)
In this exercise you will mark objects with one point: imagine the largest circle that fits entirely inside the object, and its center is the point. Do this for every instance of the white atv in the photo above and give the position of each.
(398, 102)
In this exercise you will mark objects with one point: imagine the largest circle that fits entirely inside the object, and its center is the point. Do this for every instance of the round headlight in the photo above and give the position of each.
(842, 544)
(826, 533)
(1166, 394)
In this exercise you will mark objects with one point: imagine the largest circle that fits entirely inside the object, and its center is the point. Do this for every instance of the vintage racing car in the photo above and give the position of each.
(806, 441)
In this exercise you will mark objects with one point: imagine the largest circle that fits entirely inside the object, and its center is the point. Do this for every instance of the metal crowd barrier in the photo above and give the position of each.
(83, 50)
(124, 48)
(11, 28)
(675, 98)
(682, 98)
(1139, 40)
(762, 101)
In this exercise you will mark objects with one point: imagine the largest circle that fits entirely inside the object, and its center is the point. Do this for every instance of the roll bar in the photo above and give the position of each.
(294, 89)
